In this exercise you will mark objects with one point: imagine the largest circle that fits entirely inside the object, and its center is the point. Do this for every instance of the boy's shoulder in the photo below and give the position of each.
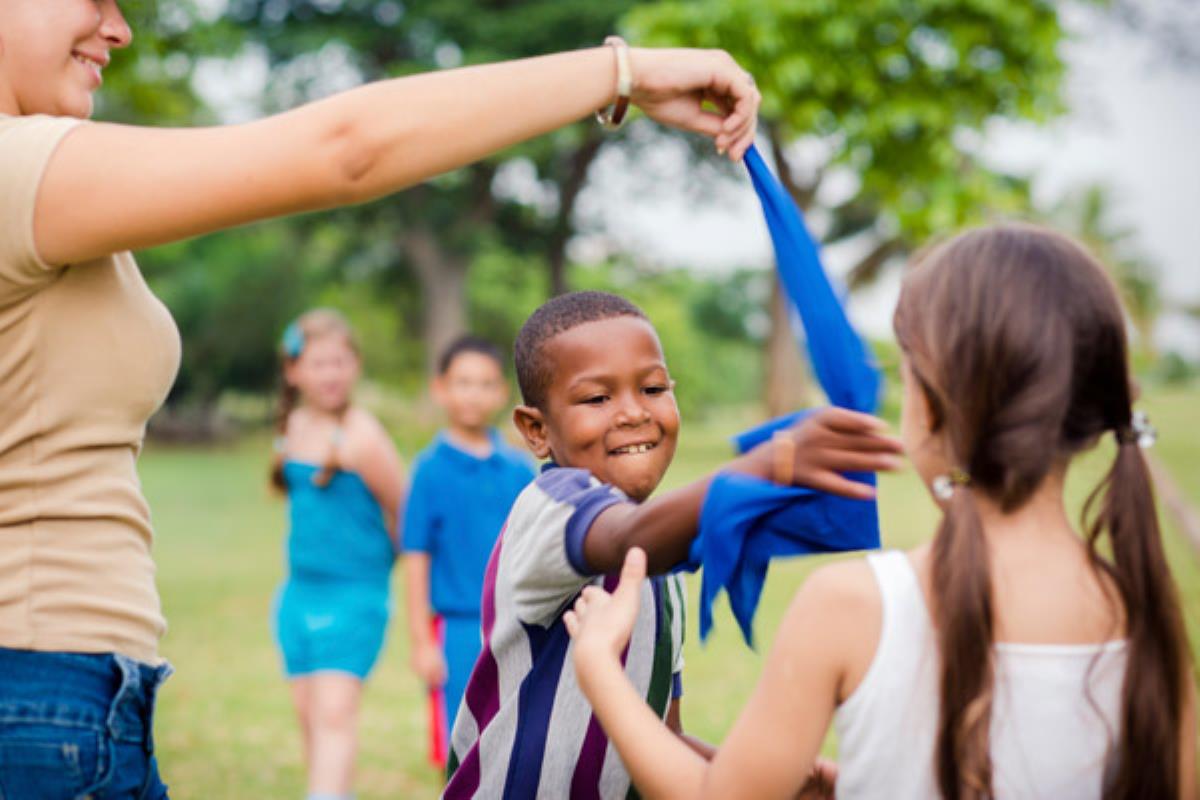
(567, 497)
(561, 483)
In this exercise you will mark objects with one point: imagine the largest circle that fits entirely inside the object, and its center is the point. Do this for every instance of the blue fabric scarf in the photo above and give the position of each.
(745, 521)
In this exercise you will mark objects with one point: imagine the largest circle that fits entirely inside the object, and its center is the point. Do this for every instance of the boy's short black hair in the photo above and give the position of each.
(557, 315)
(468, 344)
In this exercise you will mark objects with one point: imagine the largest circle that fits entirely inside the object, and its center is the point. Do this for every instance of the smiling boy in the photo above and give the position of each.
(599, 404)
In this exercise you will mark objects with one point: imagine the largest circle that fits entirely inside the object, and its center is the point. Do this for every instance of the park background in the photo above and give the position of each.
(888, 120)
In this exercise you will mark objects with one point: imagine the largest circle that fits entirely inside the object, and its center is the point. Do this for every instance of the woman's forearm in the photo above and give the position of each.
(397, 133)
(110, 188)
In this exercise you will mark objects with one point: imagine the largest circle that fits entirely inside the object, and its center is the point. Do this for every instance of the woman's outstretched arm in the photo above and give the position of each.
(111, 188)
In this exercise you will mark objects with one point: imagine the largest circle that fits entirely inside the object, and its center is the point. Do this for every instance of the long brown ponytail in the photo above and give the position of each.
(1016, 338)
(311, 325)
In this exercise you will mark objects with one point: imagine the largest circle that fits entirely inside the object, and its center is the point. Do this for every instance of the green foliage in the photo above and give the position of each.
(894, 89)
(1088, 215)
(505, 289)
(231, 296)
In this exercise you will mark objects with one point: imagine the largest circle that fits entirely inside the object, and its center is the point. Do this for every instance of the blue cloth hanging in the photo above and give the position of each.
(745, 522)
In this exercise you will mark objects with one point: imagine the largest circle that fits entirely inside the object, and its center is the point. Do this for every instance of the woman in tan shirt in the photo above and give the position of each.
(87, 353)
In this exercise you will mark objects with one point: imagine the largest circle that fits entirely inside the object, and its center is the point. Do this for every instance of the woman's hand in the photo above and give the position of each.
(671, 86)
(601, 623)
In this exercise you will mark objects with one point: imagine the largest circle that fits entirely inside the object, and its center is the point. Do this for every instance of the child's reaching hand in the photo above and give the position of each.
(601, 623)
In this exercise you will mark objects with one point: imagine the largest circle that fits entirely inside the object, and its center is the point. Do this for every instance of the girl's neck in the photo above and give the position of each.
(325, 416)
(1044, 513)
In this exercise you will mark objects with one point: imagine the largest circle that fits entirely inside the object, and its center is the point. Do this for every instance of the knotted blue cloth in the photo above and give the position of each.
(745, 522)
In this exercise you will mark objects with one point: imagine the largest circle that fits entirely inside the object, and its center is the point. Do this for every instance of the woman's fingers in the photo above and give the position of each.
(672, 87)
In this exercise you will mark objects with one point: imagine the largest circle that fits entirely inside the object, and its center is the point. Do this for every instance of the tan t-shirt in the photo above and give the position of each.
(87, 354)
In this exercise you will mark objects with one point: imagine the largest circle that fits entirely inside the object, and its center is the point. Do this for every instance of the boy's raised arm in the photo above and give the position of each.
(826, 444)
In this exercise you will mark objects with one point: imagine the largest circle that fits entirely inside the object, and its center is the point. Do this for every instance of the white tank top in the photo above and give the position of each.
(1055, 713)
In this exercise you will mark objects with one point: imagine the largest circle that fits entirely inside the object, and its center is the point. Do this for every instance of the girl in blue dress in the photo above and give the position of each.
(344, 484)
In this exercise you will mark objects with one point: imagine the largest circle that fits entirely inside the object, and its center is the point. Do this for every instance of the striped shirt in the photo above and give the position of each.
(524, 729)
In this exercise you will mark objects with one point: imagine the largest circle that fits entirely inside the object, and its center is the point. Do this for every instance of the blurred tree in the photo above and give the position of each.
(889, 96)
(522, 200)
(1088, 214)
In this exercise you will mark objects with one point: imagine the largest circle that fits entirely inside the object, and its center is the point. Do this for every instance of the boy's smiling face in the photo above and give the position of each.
(610, 406)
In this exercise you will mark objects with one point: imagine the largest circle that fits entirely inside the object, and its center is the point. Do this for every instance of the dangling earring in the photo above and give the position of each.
(943, 485)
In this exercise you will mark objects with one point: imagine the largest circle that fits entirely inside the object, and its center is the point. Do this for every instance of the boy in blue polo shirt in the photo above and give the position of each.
(463, 486)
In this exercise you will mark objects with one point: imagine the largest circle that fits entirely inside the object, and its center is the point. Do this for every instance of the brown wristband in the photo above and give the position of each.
(783, 454)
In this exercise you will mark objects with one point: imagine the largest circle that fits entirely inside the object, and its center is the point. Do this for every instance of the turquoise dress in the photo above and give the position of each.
(331, 613)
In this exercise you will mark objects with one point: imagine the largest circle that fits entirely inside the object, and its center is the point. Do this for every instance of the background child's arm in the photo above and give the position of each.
(419, 531)
(375, 459)
(772, 749)
(827, 443)
(426, 656)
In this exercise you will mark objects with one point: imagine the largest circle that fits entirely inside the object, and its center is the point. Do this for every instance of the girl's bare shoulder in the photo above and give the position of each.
(363, 434)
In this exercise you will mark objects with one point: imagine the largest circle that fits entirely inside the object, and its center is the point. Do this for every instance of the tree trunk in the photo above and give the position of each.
(787, 382)
(443, 277)
(568, 192)
(787, 386)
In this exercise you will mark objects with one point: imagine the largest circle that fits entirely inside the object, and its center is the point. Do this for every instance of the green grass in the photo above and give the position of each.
(225, 726)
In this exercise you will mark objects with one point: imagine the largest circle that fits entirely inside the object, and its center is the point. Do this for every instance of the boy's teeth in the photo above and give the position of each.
(635, 448)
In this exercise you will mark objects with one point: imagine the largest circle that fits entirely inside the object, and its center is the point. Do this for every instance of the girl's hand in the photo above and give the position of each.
(600, 623)
(671, 86)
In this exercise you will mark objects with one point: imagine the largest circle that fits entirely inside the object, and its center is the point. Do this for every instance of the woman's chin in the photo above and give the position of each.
(76, 104)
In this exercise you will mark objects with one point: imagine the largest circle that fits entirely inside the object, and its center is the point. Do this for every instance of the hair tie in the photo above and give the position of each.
(1139, 432)
(943, 485)
(293, 340)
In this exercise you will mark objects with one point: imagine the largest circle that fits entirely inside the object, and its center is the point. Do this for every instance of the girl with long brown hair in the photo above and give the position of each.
(344, 485)
(1013, 656)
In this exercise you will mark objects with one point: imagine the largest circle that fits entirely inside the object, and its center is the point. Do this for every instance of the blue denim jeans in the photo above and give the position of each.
(77, 725)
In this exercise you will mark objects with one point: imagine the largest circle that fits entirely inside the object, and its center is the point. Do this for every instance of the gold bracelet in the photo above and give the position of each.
(611, 117)
(783, 454)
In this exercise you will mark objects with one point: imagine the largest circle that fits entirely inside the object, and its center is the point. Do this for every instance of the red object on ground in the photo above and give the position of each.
(439, 735)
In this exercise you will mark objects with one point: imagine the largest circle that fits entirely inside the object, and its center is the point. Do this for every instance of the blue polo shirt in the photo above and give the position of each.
(456, 508)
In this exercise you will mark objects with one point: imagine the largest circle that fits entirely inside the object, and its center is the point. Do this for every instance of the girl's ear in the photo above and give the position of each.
(532, 424)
